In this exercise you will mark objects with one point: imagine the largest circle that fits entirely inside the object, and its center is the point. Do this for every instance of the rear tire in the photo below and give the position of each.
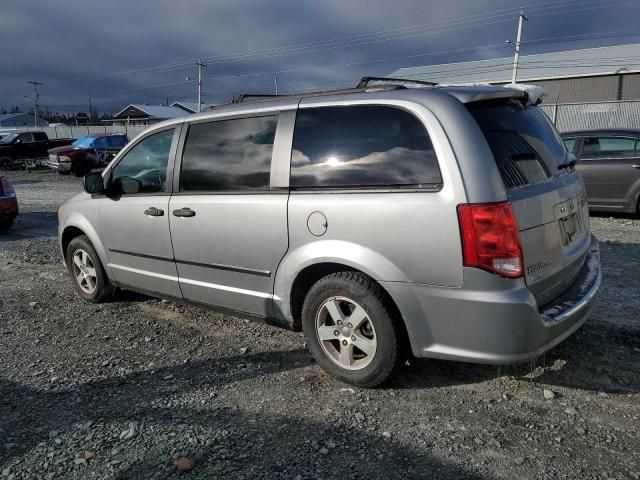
(86, 272)
(5, 163)
(350, 329)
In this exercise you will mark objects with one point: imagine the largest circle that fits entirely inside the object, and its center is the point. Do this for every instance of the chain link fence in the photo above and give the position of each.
(583, 116)
(75, 132)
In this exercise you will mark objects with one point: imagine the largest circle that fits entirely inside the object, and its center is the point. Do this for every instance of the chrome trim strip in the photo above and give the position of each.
(217, 266)
(584, 302)
(143, 272)
(198, 283)
(225, 288)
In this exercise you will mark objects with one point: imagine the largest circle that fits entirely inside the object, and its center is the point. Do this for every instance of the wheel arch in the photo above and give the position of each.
(310, 274)
(77, 226)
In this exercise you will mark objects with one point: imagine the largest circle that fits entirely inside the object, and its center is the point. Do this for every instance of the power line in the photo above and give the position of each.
(365, 39)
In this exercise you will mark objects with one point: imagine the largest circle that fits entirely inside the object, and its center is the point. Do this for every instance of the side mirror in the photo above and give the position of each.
(18, 141)
(94, 183)
(572, 158)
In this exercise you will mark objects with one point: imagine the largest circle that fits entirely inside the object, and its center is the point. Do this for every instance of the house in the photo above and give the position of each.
(142, 115)
(10, 120)
(189, 107)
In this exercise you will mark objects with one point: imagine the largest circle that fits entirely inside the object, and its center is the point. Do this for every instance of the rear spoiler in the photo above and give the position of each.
(479, 92)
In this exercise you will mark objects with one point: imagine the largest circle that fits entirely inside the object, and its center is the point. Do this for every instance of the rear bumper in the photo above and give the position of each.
(497, 323)
(8, 206)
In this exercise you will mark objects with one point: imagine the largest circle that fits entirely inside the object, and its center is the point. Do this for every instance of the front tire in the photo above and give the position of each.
(86, 271)
(350, 329)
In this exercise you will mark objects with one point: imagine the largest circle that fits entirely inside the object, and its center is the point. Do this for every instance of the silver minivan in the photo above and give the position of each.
(386, 220)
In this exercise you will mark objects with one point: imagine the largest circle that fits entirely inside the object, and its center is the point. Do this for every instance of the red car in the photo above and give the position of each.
(8, 204)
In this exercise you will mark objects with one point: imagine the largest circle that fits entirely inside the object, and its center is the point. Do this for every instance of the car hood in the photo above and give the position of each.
(64, 149)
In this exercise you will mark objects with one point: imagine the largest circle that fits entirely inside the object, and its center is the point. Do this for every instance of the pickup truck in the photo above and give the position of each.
(20, 148)
(87, 153)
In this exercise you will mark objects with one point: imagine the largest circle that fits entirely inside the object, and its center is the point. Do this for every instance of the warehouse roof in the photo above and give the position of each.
(573, 63)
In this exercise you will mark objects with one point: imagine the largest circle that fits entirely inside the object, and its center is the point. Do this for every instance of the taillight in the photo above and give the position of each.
(490, 238)
(5, 187)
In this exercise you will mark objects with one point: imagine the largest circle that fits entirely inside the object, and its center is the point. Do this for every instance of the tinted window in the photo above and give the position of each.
(569, 143)
(367, 146)
(228, 155)
(25, 138)
(116, 141)
(144, 168)
(40, 136)
(526, 147)
(596, 147)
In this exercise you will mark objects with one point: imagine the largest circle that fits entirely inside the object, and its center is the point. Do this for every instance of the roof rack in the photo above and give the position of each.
(364, 81)
(258, 98)
(241, 98)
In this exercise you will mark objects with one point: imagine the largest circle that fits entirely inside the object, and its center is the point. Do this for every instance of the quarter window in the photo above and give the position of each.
(569, 143)
(361, 146)
(228, 155)
(144, 168)
(608, 147)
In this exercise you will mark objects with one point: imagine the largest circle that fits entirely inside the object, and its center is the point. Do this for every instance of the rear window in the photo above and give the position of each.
(361, 146)
(526, 147)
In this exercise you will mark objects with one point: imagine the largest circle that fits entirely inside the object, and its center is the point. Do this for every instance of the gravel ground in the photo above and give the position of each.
(141, 388)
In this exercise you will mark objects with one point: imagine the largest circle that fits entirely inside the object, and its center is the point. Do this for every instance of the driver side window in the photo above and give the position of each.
(144, 168)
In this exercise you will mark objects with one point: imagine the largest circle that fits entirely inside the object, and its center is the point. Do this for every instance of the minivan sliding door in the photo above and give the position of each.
(228, 220)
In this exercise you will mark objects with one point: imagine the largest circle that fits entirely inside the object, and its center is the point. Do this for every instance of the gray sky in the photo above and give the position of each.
(144, 51)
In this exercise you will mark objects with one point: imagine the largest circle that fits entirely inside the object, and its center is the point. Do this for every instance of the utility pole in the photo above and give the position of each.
(276, 81)
(90, 109)
(35, 100)
(200, 64)
(516, 56)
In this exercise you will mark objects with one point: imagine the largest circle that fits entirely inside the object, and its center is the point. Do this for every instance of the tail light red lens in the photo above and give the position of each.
(5, 187)
(490, 238)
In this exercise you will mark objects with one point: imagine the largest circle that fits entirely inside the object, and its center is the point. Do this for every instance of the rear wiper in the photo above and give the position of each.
(569, 164)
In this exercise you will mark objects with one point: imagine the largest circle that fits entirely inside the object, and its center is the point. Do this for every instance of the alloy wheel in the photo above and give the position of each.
(346, 333)
(84, 271)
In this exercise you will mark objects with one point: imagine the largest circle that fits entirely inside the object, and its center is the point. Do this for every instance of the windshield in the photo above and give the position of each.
(8, 138)
(526, 147)
(83, 142)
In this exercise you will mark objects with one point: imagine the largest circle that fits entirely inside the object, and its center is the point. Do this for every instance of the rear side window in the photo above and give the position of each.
(608, 147)
(228, 155)
(361, 146)
(526, 147)
(40, 136)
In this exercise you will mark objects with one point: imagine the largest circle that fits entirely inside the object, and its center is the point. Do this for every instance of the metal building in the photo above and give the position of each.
(587, 88)
(574, 76)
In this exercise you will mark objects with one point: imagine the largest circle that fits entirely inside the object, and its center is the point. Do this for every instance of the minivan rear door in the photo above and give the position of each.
(547, 195)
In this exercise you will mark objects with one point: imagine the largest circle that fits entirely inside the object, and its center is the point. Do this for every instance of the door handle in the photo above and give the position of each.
(635, 165)
(154, 212)
(184, 212)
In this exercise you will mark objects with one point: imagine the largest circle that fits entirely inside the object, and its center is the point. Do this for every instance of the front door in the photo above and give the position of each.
(134, 217)
(229, 228)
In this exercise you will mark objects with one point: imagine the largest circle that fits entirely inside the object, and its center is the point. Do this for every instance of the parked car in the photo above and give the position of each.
(444, 220)
(18, 147)
(8, 204)
(609, 161)
(86, 153)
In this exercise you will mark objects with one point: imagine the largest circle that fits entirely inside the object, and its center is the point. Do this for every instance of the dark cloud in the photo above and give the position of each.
(76, 47)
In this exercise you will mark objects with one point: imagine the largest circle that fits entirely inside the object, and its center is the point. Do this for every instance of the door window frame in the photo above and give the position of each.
(281, 148)
(177, 132)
